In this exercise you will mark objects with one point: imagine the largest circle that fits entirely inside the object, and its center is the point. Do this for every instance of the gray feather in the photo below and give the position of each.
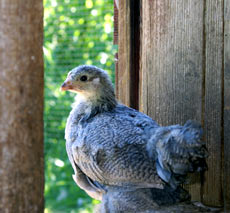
(179, 151)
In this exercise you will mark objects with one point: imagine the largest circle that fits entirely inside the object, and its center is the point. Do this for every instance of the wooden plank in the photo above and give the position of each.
(128, 53)
(171, 63)
(212, 190)
(21, 106)
(124, 51)
(115, 22)
(226, 118)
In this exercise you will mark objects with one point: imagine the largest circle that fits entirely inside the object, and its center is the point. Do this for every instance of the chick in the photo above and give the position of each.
(111, 145)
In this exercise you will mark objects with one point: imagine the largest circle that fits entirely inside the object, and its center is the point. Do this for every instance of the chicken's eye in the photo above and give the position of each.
(83, 78)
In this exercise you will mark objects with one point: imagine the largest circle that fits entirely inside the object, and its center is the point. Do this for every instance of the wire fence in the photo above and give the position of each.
(76, 32)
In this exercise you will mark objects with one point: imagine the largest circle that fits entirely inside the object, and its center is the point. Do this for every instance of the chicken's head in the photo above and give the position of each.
(90, 82)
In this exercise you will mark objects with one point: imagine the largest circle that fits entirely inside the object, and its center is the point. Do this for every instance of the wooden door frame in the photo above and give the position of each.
(127, 72)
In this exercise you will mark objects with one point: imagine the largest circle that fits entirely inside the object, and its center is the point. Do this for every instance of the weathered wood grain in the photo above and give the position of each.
(128, 53)
(21, 106)
(124, 53)
(171, 63)
(184, 73)
(226, 110)
(212, 108)
(115, 22)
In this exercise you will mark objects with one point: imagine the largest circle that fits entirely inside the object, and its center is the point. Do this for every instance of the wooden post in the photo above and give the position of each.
(226, 107)
(171, 63)
(128, 53)
(212, 100)
(21, 106)
(124, 53)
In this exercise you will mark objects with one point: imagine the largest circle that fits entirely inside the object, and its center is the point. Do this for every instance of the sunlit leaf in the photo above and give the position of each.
(88, 3)
(81, 21)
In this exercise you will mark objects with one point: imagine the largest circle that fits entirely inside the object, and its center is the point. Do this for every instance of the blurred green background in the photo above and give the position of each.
(75, 32)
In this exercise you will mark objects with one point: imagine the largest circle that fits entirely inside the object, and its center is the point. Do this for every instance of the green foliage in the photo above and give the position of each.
(76, 32)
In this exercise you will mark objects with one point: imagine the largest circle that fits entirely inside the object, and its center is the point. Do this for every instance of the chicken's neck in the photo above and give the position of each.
(88, 107)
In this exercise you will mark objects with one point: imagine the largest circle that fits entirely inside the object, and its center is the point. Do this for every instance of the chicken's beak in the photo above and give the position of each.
(67, 85)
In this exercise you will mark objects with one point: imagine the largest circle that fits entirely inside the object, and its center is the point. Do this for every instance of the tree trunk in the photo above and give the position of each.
(21, 106)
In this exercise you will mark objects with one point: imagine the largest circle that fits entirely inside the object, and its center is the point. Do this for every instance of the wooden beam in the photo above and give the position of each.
(115, 22)
(226, 109)
(21, 106)
(171, 63)
(123, 71)
(212, 108)
(127, 79)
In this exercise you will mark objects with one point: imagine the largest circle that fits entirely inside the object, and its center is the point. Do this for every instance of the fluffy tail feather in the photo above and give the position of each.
(178, 150)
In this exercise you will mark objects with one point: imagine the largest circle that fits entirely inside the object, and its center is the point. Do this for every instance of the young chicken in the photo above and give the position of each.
(111, 145)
